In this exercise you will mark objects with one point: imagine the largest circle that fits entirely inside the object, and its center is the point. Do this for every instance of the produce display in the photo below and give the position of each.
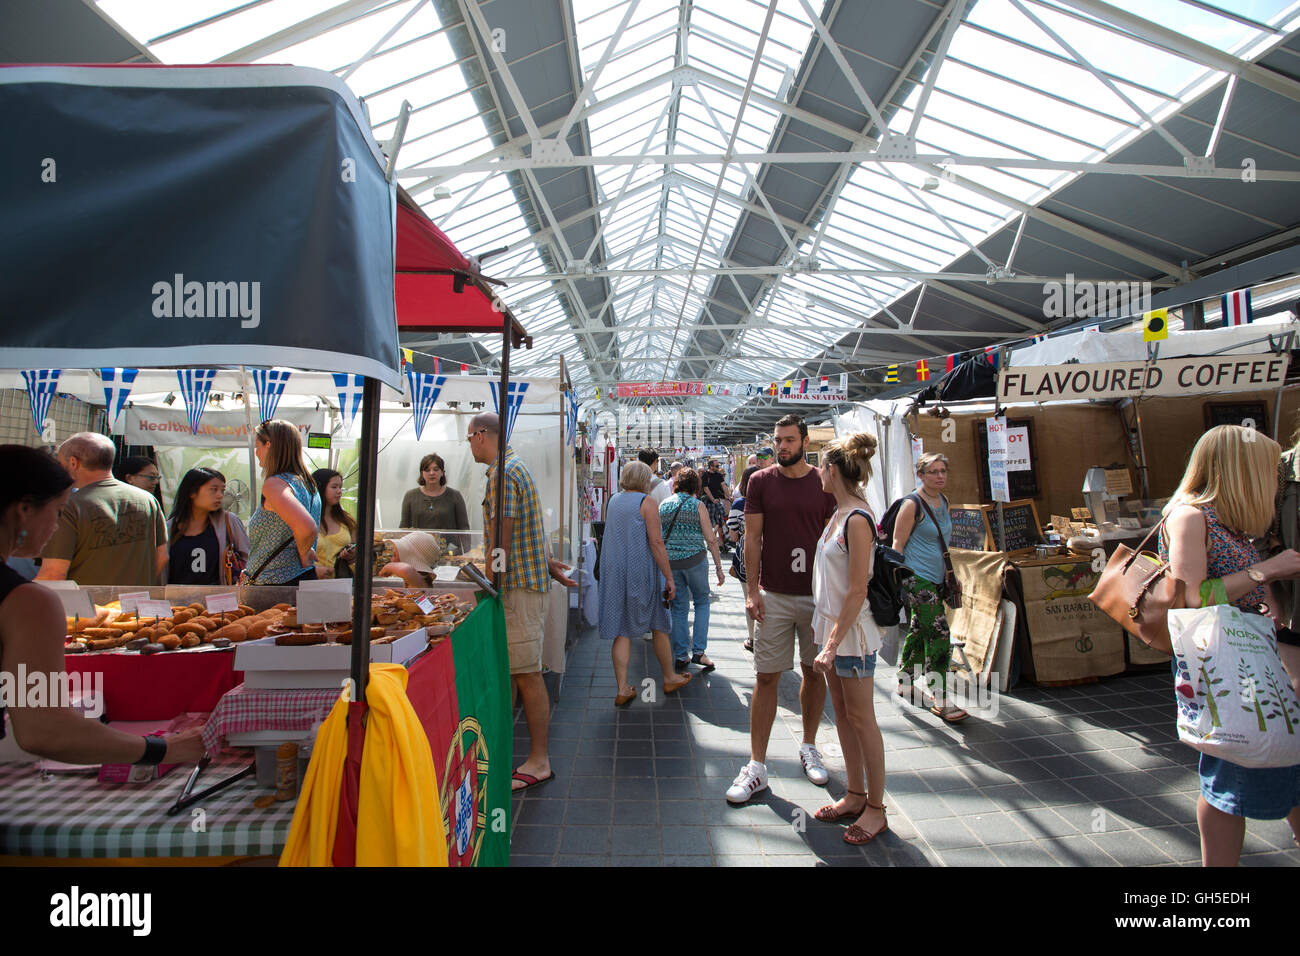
(394, 613)
(189, 626)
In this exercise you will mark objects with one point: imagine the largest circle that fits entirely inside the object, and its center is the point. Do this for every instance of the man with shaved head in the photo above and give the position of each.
(524, 584)
(109, 532)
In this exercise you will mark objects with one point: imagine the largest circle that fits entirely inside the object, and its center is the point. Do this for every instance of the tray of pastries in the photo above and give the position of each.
(189, 626)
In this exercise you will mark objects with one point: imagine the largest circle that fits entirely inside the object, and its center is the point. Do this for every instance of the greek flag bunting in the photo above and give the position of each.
(41, 385)
(195, 384)
(350, 389)
(1237, 308)
(424, 392)
(514, 399)
(117, 386)
(270, 383)
(570, 419)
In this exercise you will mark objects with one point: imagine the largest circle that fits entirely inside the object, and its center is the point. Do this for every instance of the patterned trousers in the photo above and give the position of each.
(927, 648)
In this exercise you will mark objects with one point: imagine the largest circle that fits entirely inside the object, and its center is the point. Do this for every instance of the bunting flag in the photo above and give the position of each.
(41, 385)
(195, 384)
(424, 392)
(464, 369)
(950, 363)
(570, 419)
(408, 357)
(803, 387)
(992, 353)
(117, 386)
(785, 390)
(437, 365)
(922, 371)
(844, 381)
(1155, 325)
(891, 375)
(1040, 338)
(270, 384)
(825, 384)
(350, 389)
(514, 399)
(1236, 308)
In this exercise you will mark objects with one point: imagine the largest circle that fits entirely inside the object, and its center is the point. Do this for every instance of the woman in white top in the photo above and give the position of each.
(848, 635)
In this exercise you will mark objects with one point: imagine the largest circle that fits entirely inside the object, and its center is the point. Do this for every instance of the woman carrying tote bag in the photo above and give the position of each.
(1226, 498)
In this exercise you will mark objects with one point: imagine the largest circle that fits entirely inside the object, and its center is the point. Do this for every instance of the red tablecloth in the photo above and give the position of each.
(160, 686)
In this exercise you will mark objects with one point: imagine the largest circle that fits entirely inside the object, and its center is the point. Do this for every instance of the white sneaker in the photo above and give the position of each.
(813, 768)
(752, 778)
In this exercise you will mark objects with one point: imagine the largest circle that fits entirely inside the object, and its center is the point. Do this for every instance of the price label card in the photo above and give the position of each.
(426, 606)
(76, 602)
(131, 600)
(146, 609)
(222, 602)
(1080, 514)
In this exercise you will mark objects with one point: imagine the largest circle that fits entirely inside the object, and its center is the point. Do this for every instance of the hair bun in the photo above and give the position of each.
(860, 445)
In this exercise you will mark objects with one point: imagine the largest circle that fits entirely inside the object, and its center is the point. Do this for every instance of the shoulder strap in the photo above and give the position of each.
(274, 554)
(870, 522)
(669, 532)
(943, 545)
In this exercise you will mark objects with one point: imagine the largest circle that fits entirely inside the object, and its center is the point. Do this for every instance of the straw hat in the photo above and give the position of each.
(419, 550)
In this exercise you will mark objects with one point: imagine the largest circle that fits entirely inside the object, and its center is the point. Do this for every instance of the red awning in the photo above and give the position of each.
(438, 288)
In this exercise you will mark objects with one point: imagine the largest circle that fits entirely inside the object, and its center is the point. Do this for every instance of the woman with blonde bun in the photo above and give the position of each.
(1225, 500)
(848, 635)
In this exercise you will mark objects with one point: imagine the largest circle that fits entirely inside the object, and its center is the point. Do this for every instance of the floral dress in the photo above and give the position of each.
(1267, 793)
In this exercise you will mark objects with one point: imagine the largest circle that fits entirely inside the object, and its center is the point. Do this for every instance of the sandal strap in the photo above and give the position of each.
(875, 806)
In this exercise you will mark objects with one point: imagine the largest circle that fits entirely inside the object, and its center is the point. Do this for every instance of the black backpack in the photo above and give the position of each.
(890, 518)
(889, 576)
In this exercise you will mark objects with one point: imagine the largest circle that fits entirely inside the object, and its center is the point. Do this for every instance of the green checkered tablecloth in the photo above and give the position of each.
(74, 815)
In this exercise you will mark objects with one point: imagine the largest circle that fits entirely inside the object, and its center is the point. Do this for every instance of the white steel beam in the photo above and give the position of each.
(589, 88)
(954, 17)
(365, 57)
(323, 22)
(470, 12)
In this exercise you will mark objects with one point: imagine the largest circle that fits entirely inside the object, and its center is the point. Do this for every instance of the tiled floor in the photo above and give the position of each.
(1072, 776)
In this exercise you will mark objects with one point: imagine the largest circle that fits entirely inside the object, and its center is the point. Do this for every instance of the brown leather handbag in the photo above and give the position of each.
(1137, 591)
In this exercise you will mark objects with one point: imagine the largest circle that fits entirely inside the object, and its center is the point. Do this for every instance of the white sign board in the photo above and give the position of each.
(141, 425)
(76, 602)
(1174, 377)
(1018, 449)
(997, 431)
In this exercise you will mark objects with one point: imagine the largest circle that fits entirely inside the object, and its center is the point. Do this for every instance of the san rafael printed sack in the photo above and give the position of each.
(1235, 701)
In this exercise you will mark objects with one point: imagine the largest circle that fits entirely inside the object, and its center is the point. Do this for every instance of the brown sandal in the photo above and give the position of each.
(857, 836)
(828, 813)
(677, 685)
(622, 700)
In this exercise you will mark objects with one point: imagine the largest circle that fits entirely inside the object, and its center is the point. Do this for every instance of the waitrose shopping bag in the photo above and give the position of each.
(1235, 701)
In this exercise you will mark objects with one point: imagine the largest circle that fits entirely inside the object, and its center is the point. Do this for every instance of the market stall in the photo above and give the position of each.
(212, 285)
(1089, 463)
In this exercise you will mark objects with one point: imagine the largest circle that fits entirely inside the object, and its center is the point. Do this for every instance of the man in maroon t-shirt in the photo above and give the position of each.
(786, 511)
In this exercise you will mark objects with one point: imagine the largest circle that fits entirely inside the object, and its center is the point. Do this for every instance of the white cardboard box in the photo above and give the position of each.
(266, 664)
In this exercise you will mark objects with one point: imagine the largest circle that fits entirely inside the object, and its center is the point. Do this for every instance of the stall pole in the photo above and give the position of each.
(1277, 399)
(248, 419)
(367, 470)
(997, 410)
(503, 415)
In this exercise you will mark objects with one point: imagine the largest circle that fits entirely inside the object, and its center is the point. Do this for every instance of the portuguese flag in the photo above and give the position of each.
(461, 690)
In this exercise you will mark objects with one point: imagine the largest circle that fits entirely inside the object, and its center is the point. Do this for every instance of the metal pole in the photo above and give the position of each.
(367, 471)
(503, 414)
(1277, 399)
(997, 408)
(248, 419)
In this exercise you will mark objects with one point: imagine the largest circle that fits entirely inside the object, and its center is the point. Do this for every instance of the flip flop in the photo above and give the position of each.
(528, 780)
(951, 714)
(673, 688)
(704, 668)
(622, 700)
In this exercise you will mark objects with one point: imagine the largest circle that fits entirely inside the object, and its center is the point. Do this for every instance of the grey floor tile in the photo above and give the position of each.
(686, 841)
(1129, 848)
(527, 860)
(1099, 789)
(734, 841)
(540, 812)
(631, 839)
(700, 861)
(588, 812)
(994, 828)
(1043, 823)
(964, 802)
(585, 840)
(535, 839)
(1077, 851)
(947, 834)
(678, 788)
(1024, 854)
(585, 859)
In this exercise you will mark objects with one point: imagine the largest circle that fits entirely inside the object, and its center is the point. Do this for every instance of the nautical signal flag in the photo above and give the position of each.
(950, 363)
(408, 357)
(891, 375)
(922, 371)
(1236, 308)
(1155, 325)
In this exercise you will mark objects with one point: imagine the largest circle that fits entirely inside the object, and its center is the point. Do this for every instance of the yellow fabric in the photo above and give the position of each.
(399, 819)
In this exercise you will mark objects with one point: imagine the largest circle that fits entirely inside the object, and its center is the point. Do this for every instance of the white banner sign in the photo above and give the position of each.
(218, 428)
(1018, 449)
(831, 395)
(1175, 376)
(997, 431)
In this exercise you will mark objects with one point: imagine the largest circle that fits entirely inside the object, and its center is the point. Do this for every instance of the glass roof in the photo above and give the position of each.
(681, 78)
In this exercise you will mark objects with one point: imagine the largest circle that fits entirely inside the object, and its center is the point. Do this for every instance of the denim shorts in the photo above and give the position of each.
(849, 666)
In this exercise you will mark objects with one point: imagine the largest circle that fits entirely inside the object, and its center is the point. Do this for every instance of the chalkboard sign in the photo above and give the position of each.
(969, 529)
(1023, 530)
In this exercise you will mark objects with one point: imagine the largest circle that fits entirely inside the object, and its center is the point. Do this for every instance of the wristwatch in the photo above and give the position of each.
(1256, 575)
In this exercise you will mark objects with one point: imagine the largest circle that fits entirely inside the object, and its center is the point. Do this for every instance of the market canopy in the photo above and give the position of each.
(187, 216)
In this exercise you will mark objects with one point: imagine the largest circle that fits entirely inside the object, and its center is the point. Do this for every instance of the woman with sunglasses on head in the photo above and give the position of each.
(282, 530)
(199, 530)
(33, 489)
(143, 473)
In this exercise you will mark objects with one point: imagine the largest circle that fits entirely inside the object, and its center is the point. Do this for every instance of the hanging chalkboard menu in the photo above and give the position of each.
(969, 529)
(1023, 529)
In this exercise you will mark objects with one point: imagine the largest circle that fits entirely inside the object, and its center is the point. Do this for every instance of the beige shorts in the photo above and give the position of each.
(525, 621)
(785, 617)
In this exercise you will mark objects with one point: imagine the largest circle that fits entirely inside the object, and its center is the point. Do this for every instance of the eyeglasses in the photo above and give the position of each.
(470, 436)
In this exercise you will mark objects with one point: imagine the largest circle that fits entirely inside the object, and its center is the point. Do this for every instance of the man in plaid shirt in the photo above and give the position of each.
(524, 586)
